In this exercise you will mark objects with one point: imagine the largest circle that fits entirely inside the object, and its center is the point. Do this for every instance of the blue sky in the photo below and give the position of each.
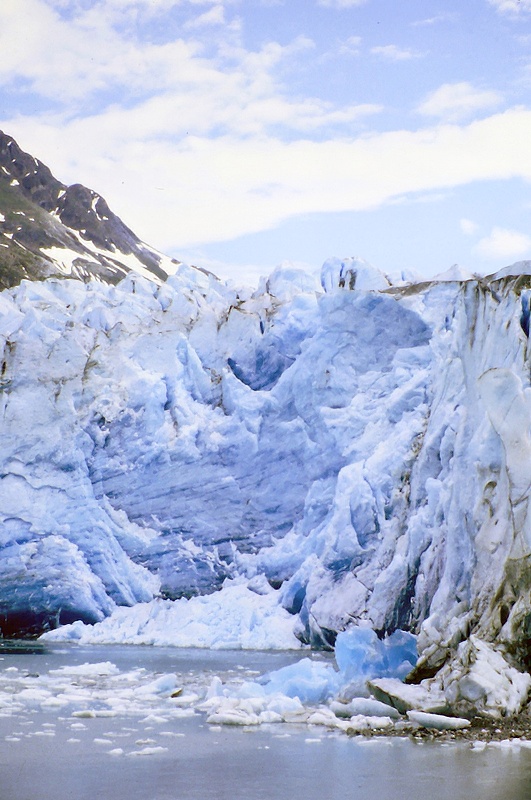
(236, 134)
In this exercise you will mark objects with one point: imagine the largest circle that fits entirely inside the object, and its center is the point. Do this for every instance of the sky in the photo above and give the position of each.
(239, 134)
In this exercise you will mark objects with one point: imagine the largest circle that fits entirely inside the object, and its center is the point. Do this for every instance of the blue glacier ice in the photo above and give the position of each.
(312, 682)
(359, 654)
(350, 454)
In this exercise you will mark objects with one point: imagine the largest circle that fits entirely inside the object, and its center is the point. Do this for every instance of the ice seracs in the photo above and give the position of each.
(342, 459)
(455, 273)
(352, 273)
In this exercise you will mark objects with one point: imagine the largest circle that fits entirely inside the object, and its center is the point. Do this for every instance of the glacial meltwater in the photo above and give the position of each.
(125, 723)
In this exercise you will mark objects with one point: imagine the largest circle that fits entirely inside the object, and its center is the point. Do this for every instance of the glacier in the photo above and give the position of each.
(326, 455)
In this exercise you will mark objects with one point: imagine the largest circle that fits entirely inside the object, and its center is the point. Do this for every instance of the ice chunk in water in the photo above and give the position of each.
(360, 654)
(310, 681)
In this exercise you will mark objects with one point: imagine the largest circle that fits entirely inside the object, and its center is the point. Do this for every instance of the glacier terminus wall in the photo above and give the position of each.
(354, 452)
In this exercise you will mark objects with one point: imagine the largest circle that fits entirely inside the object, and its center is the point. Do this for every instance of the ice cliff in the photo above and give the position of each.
(352, 452)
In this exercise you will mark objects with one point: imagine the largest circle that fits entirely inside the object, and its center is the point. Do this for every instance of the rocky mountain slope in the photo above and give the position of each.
(47, 228)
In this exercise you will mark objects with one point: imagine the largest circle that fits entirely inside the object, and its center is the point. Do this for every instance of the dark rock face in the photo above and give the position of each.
(38, 213)
(35, 179)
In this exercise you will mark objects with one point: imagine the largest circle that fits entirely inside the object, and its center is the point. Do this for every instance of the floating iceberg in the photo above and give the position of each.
(312, 682)
(359, 655)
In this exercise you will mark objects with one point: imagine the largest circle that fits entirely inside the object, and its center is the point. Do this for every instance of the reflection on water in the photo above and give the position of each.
(48, 750)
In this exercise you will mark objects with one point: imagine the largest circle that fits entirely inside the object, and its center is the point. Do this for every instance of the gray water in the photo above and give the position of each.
(46, 753)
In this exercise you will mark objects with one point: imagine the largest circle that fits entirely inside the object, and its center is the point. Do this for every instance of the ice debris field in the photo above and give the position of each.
(312, 691)
(138, 711)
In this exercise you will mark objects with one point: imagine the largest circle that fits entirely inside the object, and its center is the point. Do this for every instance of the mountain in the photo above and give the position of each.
(47, 228)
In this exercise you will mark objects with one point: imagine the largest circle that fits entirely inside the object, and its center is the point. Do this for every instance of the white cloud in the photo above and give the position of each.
(350, 46)
(169, 87)
(503, 243)
(151, 6)
(468, 227)
(88, 54)
(394, 53)
(456, 101)
(120, 10)
(70, 59)
(340, 4)
(511, 7)
(416, 198)
(199, 148)
(433, 20)
(214, 16)
(183, 192)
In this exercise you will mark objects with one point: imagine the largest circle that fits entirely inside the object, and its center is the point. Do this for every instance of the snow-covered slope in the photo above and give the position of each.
(48, 228)
(354, 455)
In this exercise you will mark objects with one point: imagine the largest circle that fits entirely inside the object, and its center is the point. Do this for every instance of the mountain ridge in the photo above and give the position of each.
(50, 229)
